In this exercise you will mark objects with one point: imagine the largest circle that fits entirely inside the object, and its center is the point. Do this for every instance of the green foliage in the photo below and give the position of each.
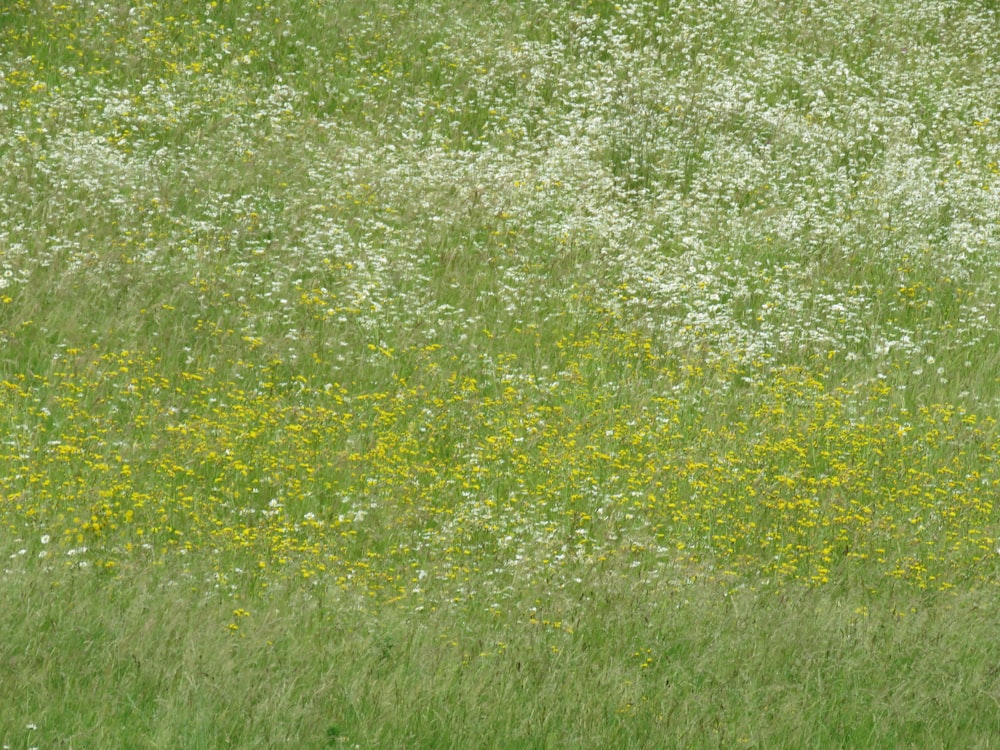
(432, 374)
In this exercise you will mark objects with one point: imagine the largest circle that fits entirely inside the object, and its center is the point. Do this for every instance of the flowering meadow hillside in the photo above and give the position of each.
(473, 344)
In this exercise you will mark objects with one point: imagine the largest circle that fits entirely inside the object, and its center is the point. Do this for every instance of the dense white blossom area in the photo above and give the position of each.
(757, 181)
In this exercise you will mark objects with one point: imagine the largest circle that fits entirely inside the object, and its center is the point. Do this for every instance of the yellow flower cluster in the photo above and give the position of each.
(496, 475)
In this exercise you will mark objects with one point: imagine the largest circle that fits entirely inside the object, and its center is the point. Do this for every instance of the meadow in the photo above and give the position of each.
(438, 374)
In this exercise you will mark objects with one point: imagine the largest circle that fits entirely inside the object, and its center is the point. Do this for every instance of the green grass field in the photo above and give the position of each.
(434, 374)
